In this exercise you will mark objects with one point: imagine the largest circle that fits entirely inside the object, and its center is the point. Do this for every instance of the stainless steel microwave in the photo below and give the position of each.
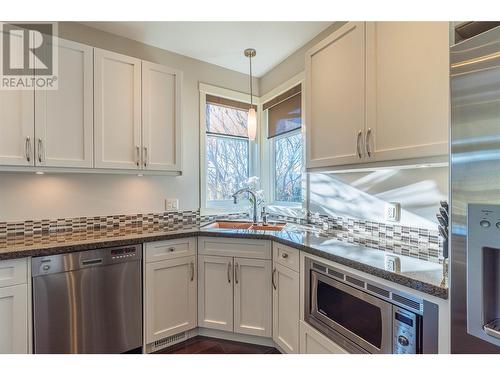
(366, 317)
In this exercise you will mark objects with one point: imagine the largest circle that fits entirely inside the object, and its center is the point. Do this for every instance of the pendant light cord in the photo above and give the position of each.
(251, 92)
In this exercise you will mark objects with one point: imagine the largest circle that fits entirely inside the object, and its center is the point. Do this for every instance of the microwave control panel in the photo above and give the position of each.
(405, 331)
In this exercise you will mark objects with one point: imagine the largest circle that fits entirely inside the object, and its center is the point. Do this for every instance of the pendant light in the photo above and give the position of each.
(252, 116)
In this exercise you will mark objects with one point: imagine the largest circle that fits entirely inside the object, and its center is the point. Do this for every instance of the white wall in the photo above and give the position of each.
(29, 196)
(363, 195)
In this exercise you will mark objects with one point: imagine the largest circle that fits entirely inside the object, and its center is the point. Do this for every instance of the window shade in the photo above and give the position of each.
(226, 117)
(286, 116)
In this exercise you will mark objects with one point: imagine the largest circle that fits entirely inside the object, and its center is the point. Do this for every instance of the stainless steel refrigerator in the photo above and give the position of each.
(475, 194)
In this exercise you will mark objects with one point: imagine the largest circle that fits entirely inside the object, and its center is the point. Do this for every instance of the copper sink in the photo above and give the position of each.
(229, 225)
(244, 225)
(274, 227)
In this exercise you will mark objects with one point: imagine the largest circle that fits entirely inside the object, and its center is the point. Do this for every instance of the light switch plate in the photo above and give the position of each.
(392, 211)
(171, 204)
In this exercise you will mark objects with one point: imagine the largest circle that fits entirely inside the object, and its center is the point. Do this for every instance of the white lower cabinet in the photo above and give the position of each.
(234, 289)
(286, 308)
(252, 297)
(313, 342)
(14, 307)
(170, 297)
(215, 292)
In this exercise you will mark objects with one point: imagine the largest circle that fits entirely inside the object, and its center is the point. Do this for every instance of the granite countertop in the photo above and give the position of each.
(417, 274)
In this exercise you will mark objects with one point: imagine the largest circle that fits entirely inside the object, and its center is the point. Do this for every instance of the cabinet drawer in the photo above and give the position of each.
(286, 256)
(170, 249)
(235, 247)
(13, 272)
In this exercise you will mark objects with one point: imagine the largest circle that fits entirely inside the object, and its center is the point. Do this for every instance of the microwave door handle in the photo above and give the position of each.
(314, 293)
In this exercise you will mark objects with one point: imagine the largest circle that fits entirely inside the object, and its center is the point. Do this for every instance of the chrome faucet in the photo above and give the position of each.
(252, 193)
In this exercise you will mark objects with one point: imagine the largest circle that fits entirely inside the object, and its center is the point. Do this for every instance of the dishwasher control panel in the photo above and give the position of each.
(123, 253)
(46, 265)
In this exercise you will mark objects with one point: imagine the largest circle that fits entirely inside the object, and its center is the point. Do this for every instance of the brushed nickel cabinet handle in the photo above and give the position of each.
(229, 272)
(358, 141)
(272, 278)
(39, 150)
(367, 142)
(192, 271)
(236, 273)
(27, 149)
(137, 155)
(145, 157)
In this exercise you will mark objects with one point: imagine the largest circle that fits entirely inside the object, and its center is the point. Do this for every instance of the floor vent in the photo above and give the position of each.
(407, 302)
(168, 341)
(379, 291)
(355, 281)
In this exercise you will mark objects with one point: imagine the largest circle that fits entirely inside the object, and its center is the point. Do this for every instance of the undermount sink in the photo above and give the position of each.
(244, 225)
(229, 225)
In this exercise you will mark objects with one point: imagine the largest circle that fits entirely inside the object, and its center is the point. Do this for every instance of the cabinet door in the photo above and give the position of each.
(17, 123)
(14, 319)
(286, 309)
(411, 68)
(335, 98)
(117, 110)
(313, 342)
(170, 297)
(64, 117)
(215, 292)
(161, 117)
(252, 297)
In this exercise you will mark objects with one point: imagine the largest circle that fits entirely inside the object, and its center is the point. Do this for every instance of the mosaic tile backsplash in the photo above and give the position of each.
(414, 242)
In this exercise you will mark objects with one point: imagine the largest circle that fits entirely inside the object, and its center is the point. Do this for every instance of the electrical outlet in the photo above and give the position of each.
(392, 263)
(171, 204)
(392, 211)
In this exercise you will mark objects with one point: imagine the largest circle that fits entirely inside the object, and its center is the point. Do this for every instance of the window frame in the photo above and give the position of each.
(225, 206)
(297, 209)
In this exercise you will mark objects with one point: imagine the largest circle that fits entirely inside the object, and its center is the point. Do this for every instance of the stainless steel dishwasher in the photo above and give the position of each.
(88, 302)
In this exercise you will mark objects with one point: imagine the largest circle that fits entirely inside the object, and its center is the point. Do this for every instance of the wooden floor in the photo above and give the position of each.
(209, 345)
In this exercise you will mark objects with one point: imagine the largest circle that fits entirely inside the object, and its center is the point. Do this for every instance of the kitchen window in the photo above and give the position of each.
(283, 117)
(226, 149)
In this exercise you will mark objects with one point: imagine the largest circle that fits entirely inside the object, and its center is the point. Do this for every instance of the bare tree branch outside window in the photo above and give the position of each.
(227, 151)
(288, 168)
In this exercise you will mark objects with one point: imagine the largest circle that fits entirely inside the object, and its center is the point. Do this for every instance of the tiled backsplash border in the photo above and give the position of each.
(415, 242)
(31, 227)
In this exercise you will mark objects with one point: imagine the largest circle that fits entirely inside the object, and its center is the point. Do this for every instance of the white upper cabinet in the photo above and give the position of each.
(161, 117)
(378, 91)
(16, 120)
(117, 110)
(335, 97)
(411, 72)
(64, 117)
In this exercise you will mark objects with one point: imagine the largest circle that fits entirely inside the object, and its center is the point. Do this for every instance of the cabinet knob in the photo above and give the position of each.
(284, 255)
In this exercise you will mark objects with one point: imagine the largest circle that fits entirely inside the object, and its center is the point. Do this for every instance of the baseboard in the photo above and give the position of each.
(249, 339)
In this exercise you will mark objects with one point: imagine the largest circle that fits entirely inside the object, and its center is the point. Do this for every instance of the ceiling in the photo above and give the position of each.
(222, 43)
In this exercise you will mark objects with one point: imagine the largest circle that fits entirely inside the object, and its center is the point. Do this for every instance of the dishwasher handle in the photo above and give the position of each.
(92, 262)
